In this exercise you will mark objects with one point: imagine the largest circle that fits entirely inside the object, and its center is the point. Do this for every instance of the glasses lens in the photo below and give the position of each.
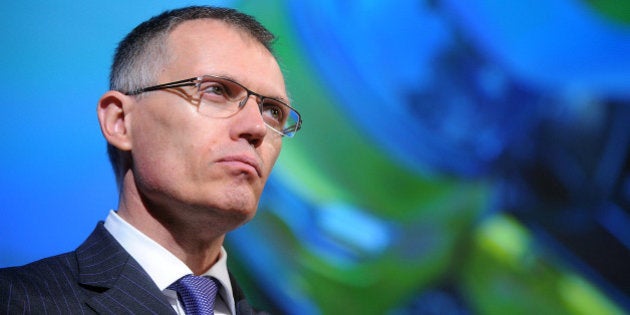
(291, 126)
(222, 98)
(279, 116)
(219, 97)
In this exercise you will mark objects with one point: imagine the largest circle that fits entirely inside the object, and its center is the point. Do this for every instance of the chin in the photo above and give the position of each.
(236, 205)
(239, 207)
(235, 217)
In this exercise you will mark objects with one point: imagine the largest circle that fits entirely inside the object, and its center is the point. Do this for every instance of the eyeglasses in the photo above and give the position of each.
(221, 97)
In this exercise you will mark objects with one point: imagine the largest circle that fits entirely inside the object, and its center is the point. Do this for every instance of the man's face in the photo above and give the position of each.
(190, 165)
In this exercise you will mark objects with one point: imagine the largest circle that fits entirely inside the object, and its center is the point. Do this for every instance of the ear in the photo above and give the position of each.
(113, 110)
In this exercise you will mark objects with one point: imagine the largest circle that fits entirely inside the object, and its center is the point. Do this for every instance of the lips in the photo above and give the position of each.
(244, 161)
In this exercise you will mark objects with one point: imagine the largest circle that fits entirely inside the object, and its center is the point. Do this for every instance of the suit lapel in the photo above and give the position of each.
(122, 286)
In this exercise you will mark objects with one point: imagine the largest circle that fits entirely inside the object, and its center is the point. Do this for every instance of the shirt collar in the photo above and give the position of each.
(163, 267)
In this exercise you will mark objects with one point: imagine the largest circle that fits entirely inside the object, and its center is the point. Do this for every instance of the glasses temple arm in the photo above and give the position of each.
(186, 82)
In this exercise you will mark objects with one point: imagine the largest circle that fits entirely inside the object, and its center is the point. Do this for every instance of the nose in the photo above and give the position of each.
(249, 123)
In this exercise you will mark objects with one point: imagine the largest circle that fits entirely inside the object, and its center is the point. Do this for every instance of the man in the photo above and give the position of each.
(194, 123)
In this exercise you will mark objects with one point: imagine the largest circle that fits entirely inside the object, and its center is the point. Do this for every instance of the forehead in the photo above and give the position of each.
(207, 46)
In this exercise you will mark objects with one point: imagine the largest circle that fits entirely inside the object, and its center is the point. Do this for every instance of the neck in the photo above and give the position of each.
(195, 241)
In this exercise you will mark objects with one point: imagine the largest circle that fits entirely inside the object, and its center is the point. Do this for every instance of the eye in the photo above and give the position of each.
(214, 90)
(273, 113)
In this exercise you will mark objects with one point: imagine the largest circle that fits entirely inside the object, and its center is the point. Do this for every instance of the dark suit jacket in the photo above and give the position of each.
(98, 277)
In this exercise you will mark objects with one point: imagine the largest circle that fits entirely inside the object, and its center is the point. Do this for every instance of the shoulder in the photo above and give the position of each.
(41, 270)
(42, 281)
(55, 269)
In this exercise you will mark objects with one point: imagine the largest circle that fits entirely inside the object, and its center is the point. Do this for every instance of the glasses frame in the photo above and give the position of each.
(196, 81)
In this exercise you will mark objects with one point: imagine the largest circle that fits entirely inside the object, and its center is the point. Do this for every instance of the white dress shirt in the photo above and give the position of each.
(164, 268)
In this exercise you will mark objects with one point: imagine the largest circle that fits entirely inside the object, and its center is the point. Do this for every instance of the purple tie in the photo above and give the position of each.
(196, 293)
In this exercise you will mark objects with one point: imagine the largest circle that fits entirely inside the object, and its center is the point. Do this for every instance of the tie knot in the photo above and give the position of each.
(196, 293)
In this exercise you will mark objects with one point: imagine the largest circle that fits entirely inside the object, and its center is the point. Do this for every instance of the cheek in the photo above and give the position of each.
(160, 144)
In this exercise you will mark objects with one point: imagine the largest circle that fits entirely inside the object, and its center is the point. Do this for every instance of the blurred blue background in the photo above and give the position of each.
(457, 157)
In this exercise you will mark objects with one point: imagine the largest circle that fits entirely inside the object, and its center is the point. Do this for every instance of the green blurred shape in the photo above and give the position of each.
(509, 273)
(616, 10)
(422, 253)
